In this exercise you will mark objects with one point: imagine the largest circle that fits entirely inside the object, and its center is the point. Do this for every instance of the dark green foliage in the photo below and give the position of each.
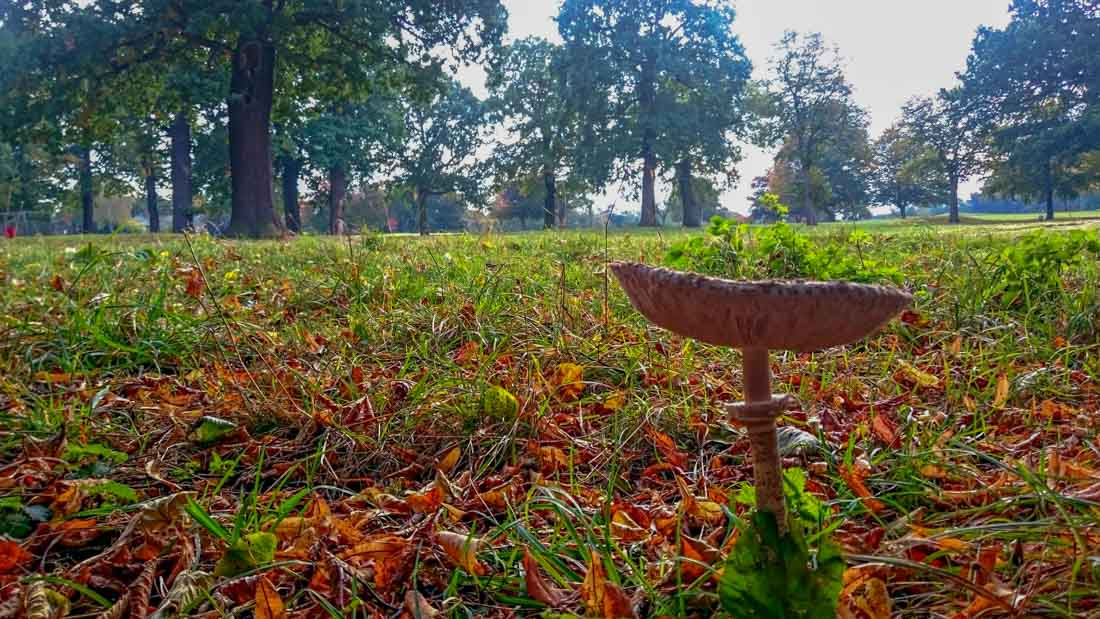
(768, 575)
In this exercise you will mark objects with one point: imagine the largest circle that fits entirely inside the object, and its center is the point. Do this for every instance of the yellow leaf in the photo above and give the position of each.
(568, 379)
(864, 595)
(268, 603)
(920, 377)
(1001, 395)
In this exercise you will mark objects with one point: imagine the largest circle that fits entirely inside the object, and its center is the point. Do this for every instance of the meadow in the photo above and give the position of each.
(483, 426)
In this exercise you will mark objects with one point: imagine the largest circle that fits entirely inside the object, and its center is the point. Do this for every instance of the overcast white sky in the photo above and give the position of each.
(895, 49)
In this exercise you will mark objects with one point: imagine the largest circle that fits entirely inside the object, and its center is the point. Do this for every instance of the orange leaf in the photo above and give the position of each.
(462, 549)
(268, 603)
(428, 502)
(195, 283)
(884, 430)
(1000, 397)
(667, 447)
(864, 596)
(855, 482)
(603, 598)
(12, 555)
(447, 463)
(537, 587)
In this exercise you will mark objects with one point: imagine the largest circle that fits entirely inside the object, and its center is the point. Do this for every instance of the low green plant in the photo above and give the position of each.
(775, 575)
(1034, 264)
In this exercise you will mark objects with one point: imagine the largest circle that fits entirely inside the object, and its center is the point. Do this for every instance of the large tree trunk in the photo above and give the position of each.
(563, 209)
(422, 212)
(549, 206)
(808, 210)
(953, 215)
(180, 132)
(337, 191)
(87, 197)
(692, 215)
(251, 94)
(648, 101)
(897, 199)
(292, 170)
(151, 198)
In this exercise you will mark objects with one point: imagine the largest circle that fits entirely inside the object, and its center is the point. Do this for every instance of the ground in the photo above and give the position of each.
(482, 425)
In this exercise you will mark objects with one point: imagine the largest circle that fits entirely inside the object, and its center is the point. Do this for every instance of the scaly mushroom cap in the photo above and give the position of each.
(778, 315)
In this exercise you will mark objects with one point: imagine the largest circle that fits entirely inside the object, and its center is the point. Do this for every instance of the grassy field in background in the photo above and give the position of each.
(321, 412)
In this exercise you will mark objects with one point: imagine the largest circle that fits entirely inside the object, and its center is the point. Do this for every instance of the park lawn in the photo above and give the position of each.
(330, 396)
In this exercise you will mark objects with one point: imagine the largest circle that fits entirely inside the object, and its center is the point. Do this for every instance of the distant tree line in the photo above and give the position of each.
(273, 115)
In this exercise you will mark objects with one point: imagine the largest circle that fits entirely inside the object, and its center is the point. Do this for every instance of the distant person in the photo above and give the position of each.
(9, 231)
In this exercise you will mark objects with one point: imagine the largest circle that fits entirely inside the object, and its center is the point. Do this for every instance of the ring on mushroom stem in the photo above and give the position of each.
(756, 317)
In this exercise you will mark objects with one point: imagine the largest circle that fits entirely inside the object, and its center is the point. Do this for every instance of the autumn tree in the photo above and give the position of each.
(1036, 82)
(527, 85)
(806, 91)
(951, 126)
(664, 80)
(373, 42)
(443, 133)
(906, 172)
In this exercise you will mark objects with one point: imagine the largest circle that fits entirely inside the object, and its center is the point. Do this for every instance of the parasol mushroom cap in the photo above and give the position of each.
(779, 315)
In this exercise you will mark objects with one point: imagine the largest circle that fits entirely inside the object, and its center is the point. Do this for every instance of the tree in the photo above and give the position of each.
(951, 126)
(375, 44)
(346, 143)
(662, 80)
(703, 193)
(805, 94)
(906, 172)
(1040, 158)
(527, 92)
(1047, 53)
(838, 182)
(1036, 82)
(442, 136)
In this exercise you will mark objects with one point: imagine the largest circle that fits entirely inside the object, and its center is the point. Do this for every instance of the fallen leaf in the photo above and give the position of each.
(12, 555)
(864, 596)
(269, 605)
(1000, 397)
(601, 597)
(567, 378)
(447, 463)
(854, 480)
(537, 587)
(462, 549)
(417, 605)
(667, 447)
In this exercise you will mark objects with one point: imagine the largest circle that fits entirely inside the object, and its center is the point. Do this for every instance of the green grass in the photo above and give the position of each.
(351, 371)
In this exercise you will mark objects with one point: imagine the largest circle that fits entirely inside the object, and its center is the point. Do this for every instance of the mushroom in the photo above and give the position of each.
(800, 316)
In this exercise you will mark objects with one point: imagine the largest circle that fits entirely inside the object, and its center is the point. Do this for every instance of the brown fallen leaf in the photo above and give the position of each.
(418, 607)
(269, 605)
(462, 549)
(854, 479)
(537, 587)
(448, 462)
(864, 595)
(601, 597)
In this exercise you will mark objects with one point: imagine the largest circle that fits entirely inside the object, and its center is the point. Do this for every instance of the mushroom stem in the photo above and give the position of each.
(767, 469)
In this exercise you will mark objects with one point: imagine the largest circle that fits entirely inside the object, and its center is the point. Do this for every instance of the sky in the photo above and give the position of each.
(895, 49)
